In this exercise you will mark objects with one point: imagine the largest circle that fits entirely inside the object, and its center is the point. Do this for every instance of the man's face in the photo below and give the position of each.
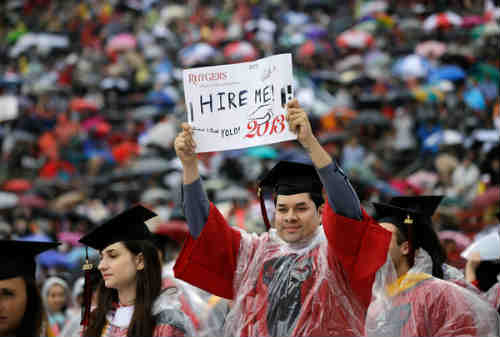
(296, 217)
(396, 251)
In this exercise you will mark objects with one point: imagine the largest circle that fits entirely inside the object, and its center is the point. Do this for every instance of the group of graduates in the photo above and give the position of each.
(325, 267)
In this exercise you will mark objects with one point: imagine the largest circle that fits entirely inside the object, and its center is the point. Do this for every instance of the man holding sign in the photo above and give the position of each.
(301, 278)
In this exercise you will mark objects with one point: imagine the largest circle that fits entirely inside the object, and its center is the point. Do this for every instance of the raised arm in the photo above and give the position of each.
(354, 239)
(209, 256)
(195, 202)
(341, 196)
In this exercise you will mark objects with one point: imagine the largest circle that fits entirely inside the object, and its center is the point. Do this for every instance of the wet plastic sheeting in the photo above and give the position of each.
(418, 304)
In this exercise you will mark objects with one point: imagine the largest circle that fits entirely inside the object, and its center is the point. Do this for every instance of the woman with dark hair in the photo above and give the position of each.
(131, 301)
(21, 308)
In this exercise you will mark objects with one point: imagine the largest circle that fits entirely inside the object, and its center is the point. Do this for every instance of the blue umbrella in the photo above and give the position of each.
(448, 72)
(161, 98)
(294, 155)
(474, 99)
(164, 67)
(263, 152)
(411, 66)
(295, 18)
(53, 258)
(36, 237)
(77, 255)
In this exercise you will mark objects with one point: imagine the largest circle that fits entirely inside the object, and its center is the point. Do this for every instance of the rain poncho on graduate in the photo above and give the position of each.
(416, 303)
(317, 287)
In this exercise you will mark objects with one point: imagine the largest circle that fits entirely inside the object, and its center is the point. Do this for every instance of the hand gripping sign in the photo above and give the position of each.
(240, 105)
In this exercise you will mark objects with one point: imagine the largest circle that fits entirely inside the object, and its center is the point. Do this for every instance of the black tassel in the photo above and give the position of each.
(263, 208)
(87, 291)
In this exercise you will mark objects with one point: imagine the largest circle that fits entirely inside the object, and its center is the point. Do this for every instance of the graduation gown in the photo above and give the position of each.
(418, 304)
(320, 287)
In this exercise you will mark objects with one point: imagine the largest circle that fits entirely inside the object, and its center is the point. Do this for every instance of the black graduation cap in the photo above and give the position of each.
(398, 216)
(287, 178)
(413, 220)
(404, 219)
(424, 205)
(17, 258)
(126, 226)
(291, 178)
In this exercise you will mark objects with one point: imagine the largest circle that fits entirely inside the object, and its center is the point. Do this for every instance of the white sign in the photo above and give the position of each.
(9, 108)
(240, 105)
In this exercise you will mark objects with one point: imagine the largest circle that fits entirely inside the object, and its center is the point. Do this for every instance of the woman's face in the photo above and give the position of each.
(13, 301)
(119, 266)
(56, 298)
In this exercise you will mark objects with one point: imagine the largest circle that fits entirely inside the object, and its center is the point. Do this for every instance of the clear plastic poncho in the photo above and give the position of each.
(286, 289)
(418, 304)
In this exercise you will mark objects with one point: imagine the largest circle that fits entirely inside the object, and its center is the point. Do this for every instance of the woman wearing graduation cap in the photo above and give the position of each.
(410, 296)
(21, 308)
(309, 275)
(131, 301)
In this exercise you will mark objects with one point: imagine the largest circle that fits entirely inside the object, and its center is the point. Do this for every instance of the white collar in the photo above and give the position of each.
(168, 299)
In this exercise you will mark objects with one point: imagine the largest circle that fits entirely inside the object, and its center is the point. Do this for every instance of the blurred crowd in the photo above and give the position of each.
(404, 94)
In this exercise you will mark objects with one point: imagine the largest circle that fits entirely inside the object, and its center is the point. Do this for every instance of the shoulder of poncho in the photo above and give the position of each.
(167, 300)
(452, 273)
(167, 311)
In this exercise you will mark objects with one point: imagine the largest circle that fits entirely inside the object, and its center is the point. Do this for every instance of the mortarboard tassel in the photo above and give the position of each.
(87, 291)
(263, 208)
(411, 237)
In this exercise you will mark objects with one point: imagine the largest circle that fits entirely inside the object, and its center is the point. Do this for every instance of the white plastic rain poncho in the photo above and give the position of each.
(418, 304)
(320, 287)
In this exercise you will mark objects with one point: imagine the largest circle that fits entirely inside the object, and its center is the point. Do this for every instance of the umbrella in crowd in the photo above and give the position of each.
(451, 73)
(17, 185)
(431, 49)
(197, 53)
(314, 48)
(82, 105)
(411, 66)
(8, 200)
(121, 42)
(42, 42)
(442, 20)
(487, 247)
(240, 51)
(355, 39)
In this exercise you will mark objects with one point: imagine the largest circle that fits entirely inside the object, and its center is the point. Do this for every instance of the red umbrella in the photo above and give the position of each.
(489, 197)
(17, 185)
(355, 39)
(312, 48)
(81, 104)
(431, 49)
(32, 200)
(70, 237)
(442, 20)
(121, 42)
(240, 51)
(124, 151)
(175, 229)
(472, 21)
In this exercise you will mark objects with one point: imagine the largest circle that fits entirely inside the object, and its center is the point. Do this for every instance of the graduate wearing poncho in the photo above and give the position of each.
(311, 274)
(408, 299)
